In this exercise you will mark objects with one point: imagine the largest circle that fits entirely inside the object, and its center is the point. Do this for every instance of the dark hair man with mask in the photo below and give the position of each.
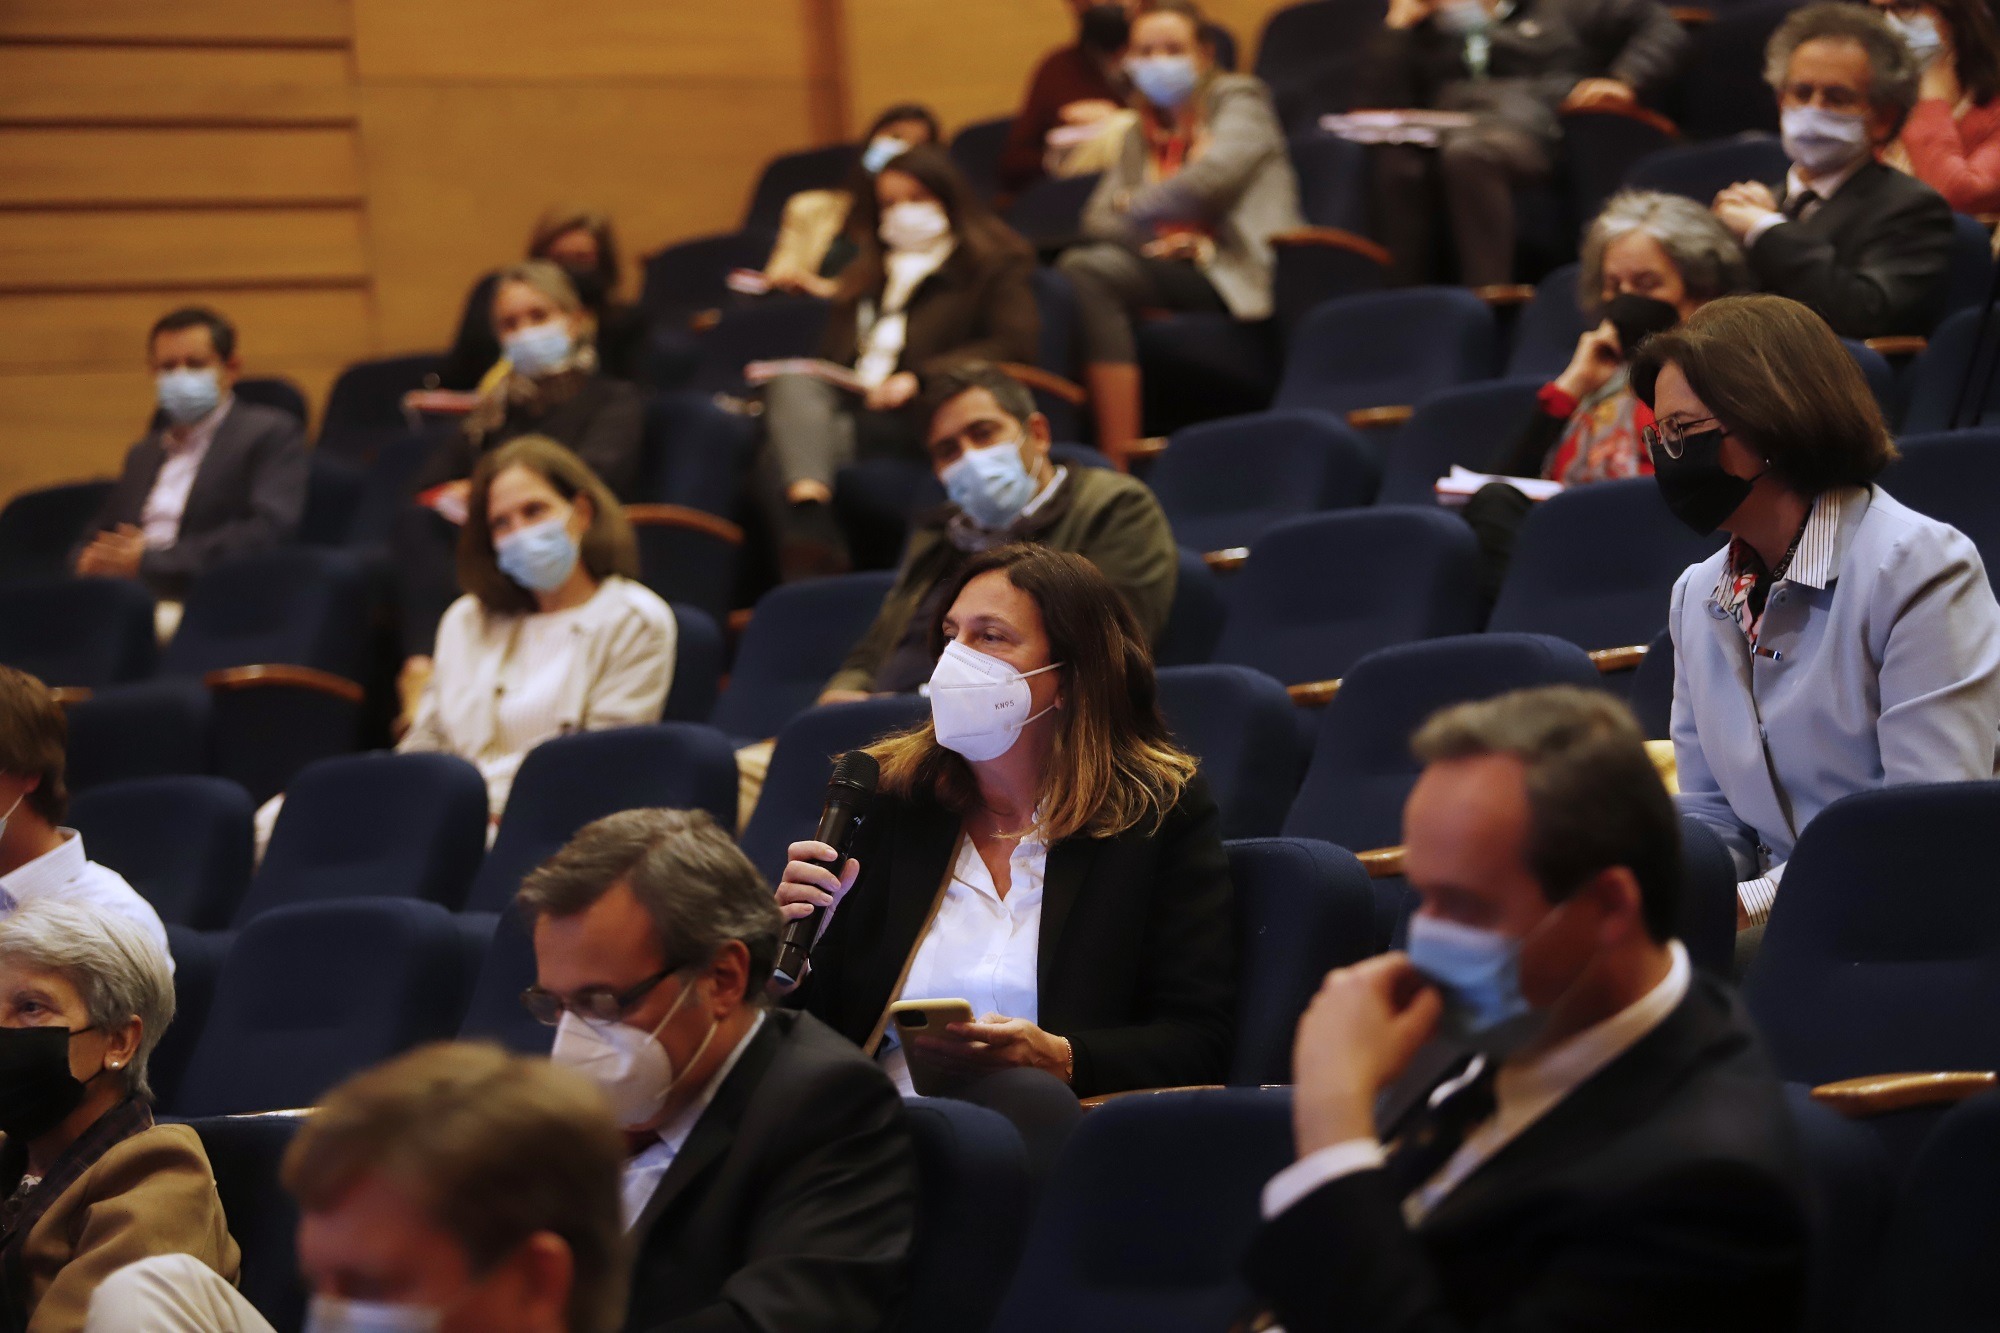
(990, 448)
(1866, 246)
(1575, 1130)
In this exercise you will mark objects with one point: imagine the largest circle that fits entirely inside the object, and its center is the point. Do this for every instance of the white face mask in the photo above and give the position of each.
(979, 704)
(331, 1314)
(913, 226)
(629, 1066)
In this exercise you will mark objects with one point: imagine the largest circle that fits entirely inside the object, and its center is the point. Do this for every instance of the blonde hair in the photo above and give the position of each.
(551, 280)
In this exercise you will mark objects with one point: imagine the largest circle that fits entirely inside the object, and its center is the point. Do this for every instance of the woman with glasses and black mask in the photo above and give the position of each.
(1840, 641)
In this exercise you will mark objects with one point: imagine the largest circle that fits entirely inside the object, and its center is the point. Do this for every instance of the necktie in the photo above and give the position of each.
(1798, 205)
(1436, 1132)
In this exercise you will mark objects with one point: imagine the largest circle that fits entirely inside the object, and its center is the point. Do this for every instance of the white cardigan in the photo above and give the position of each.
(621, 664)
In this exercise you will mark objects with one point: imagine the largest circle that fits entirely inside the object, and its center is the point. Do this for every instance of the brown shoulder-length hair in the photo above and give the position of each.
(982, 237)
(565, 218)
(608, 545)
(1775, 375)
(1113, 765)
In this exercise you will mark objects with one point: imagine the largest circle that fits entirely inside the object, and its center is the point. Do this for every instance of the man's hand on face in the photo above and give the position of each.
(1357, 1036)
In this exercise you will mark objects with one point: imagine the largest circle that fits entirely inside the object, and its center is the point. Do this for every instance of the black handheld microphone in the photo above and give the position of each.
(847, 796)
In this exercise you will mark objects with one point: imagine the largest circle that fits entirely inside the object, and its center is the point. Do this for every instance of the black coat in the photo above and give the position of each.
(248, 495)
(1137, 948)
(1871, 260)
(1663, 1194)
(603, 423)
(792, 1204)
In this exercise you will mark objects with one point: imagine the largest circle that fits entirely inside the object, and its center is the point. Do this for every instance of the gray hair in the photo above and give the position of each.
(696, 884)
(1702, 251)
(111, 960)
(1893, 73)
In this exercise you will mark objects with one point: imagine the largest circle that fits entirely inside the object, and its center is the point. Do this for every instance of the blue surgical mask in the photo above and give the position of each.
(881, 151)
(1479, 973)
(1920, 33)
(1821, 142)
(1165, 81)
(539, 558)
(1462, 18)
(186, 396)
(539, 348)
(992, 485)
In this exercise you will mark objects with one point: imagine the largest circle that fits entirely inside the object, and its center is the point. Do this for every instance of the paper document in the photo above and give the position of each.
(839, 376)
(1459, 485)
(1421, 128)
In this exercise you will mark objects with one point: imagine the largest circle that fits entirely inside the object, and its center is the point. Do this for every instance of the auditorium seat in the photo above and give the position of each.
(687, 556)
(974, 1206)
(1469, 426)
(785, 175)
(572, 780)
(1546, 333)
(1308, 54)
(1049, 213)
(246, 1154)
(183, 842)
(39, 528)
(1223, 483)
(1940, 395)
(1720, 89)
(1147, 1217)
(1705, 919)
(698, 660)
(364, 408)
(337, 495)
(695, 453)
(1599, 146)
(1954, 477)
(78, 633)
(1937, 1269)
(975, 151)
(770, 328)
(1881, 377)
(802, 763)
(1652, 689)
(1195, 617)
(198, 957)
(1332, 172)
(311, 994)
(1702, 170)
(1850, 1188)
(1387, 350)
(1242, 726)
(1203, 366)
(1969, 281)
(797, 639)
(379, 825)
(1320, 592)
(142, 730)
(277, 391)
(505, 969)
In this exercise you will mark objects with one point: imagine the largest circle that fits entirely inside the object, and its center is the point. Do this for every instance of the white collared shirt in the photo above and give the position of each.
(883, 336)
(64, 874)
(981, 948)
(160, 516)
(1797, 183)
(644, 1169)
(1524, 1090)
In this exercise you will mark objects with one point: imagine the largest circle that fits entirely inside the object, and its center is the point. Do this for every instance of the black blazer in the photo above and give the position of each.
(248, 495)
(603, 423)
(793, 1203)
(971, 309)
(1137, 949)
(1665, 1193)
(1872, 260)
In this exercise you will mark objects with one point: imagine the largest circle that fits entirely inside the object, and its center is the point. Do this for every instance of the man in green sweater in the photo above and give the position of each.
(990, 448)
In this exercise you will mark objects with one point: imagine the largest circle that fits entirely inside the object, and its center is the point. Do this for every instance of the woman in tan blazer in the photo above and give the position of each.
(88, 1183)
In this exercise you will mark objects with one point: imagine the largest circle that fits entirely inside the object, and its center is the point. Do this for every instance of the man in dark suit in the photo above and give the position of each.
(772, 1181)
(1600, 1144)
(217, 479)
(1863, 244)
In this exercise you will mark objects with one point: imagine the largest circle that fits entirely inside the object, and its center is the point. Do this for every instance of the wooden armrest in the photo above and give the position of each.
(701, 321)
(680, 516)
(1150, 447)
(1333, 238)
(1644, 115)
(1092, 1103)
(440, 402)
(1987, 220)
(1037, 378)
(1505, 293)
(739, 619)
(1692, 16)
(277, 673)
(1608, 660)
(1382, 862)
(1313, 693)
(1877, 1094)
(1222, 562)
(1361, 418)
(1906, 344)
(65, 695)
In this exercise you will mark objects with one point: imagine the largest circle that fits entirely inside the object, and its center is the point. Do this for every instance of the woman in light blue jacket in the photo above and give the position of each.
(1841, 641)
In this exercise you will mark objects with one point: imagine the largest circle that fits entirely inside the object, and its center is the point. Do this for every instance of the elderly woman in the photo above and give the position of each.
(1183, 219)
(1840, 642)
(1041, 850)
(1649, 261)
(88, 1183)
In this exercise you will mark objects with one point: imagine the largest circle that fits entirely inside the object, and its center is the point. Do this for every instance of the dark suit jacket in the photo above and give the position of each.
(1665, 1193)
(793, 1203)
(971, 309)
(1871, 260)
(248, 495)
(603, 423)
(1137, 948)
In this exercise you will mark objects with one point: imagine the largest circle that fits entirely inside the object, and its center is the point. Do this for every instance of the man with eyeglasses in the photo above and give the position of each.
(1864, 245)
(772, 1179)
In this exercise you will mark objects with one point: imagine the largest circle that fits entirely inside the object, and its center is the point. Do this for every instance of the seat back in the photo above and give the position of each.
(1596, 565)
(246, 1152)
(1222, 484)
(337, 494)
(973, 1209)
(78, 632)
(421, 821)
(278, 391)
(1301, 611)
(689, 562)
(789, 173)
(365, 405)
(294, 605)
(1952, 477)
(1195, 617)
(1303, 908)
(695, 453)
(975, 151)
(495, 1011)
(143, 730)
(1387, 349)
(1652, 689)
(776, 326)
(1721, 90)
(1332, 172)
(567, 782)
(1362, 769)
(802, 763)
(1049, 213)
(1546, 333)
(691, 275)
(1969, 280)
(1466, 426)
(698, 659)
(1308, 55)
(1700, 171)
(39, 528)
(1705, 919)
(183, 842)
(1149, 1214)
(1243, 728)
(311, 994)
(1938, 382)
(797, 639)
(1936, 1267)
(1849, 1193)
(1881, 377)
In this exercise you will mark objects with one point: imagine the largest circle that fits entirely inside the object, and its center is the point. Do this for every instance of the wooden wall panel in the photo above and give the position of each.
(148, 84)
(47, 334)
(44, 251)
(235, 21)
(93, 166)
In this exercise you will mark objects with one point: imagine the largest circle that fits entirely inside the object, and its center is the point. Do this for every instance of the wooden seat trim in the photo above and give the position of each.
(284, 674)
(680, 516)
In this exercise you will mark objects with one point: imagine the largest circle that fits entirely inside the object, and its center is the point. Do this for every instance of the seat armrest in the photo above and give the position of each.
(66, 695)
(1092, 1103)
(1363, 418)
(1332, 238)
(1644, 115)
(680, 516)
(1899, 345)
(1150, 447)
(283, 674)
(1381, 862)
(1692, 16)
(1226, 560)
(1034, 377)
(1505, 293)
(1878, 1094)
(1608, 660)
(1313, 693)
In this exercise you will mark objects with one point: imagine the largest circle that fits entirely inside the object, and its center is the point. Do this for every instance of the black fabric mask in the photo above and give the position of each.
(591, 288)
(1104, 29)
(36, 1088)
(1696, 487)
(1636, 318)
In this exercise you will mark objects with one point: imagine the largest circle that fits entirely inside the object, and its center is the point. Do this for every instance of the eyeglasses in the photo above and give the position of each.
(599, 1002)
(1670, 437)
